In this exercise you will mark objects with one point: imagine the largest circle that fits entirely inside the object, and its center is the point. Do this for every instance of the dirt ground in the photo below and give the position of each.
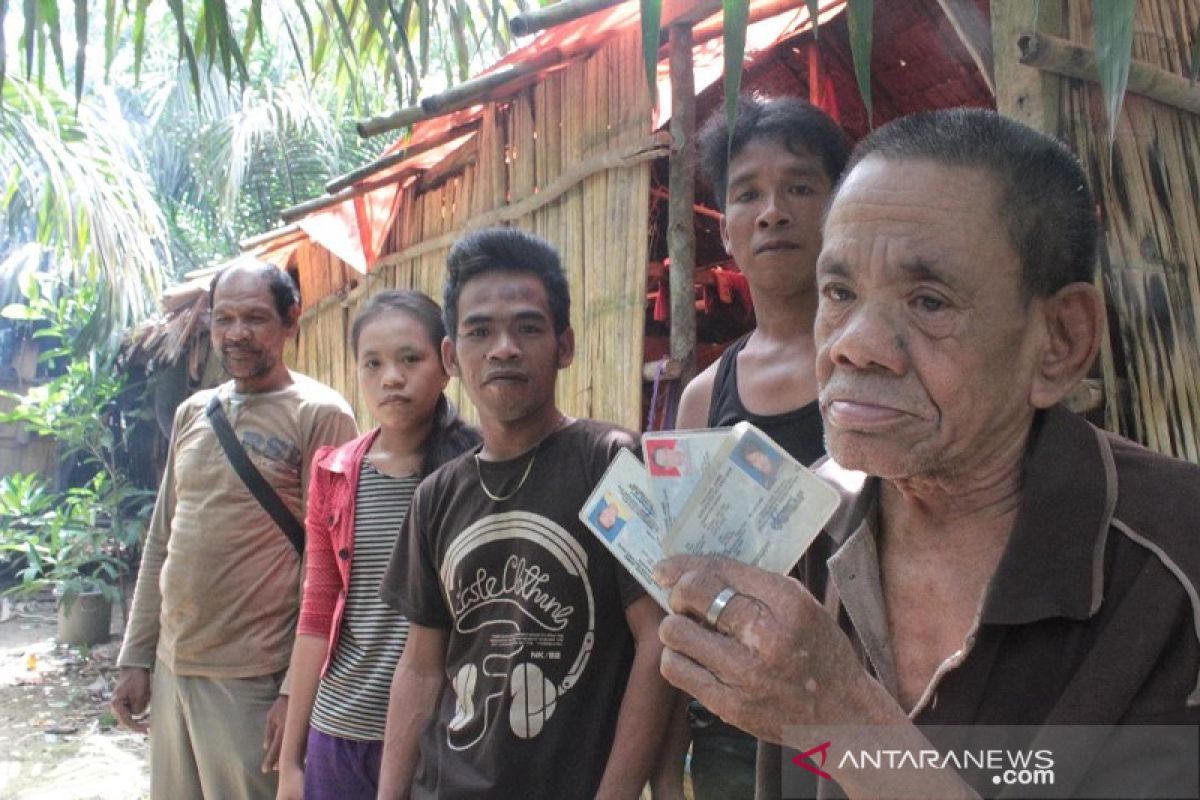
(58, 740)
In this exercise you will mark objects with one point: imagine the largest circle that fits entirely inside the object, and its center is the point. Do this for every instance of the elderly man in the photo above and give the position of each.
(218, 593)
(998, 560)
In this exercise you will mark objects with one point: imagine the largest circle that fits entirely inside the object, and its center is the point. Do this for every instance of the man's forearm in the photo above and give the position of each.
(411, 704)
(645, 710)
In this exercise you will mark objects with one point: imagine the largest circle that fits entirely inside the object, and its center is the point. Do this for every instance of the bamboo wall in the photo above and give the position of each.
(589, 110)
(1149, 193)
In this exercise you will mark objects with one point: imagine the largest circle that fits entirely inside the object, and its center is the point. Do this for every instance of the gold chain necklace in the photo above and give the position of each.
(500, 498)
(512, 494)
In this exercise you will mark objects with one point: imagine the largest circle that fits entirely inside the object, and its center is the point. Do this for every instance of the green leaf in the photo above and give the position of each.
(81, 30)
(3, 54)
(110, 35)
(1114, 50)
(814, 11)
(29, 286)
(860, 19)
(651, 18)
(735, 16)
(253, 26)
(30, 35)
(18, 312)
(185, 45)
(50, 15)
(139, 37)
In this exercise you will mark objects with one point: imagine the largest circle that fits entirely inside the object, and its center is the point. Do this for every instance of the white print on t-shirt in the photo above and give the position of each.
(516, 584)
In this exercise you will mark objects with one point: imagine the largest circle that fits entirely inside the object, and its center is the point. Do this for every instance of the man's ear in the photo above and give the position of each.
(450, 357)
(292, 321)
(1074, 318)
(566, 348)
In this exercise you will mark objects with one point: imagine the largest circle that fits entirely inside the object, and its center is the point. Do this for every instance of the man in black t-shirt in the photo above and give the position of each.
(531, 668)
(772, 181)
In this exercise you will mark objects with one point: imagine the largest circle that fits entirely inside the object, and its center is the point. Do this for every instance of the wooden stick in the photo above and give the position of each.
(392, 159)
(558, 14)
(390, 122)
(293, 213)
(477, 89)
(250, 242)
(1063, 57)
(681, 225)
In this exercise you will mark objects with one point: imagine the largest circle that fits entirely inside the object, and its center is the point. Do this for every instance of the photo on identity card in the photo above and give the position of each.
(729, 492)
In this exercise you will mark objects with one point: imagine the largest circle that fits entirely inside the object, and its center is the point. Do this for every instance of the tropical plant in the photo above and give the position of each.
(405, 43)
(86, 537)
(74, 179)
(66, 544)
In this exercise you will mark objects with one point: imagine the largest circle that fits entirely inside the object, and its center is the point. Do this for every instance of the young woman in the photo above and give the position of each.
(348, 641)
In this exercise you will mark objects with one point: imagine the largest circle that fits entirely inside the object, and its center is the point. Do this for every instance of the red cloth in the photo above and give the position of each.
(329, 538)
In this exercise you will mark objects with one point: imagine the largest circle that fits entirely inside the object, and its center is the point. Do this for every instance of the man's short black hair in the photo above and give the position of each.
(283, 288)
(505, 250)
(797, 124)
(1044, 200)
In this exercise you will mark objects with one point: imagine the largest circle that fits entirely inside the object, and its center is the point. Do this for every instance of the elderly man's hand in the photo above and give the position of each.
(776, 657)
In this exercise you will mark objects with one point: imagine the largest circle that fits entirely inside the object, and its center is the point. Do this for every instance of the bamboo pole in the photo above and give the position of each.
(681, 226)
(1062, 57)
(293, 213)
(531, 22)
(494, 86)
(392, 159)
(478, 89)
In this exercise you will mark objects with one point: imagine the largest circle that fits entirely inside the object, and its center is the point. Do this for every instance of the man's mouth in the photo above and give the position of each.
(775, 245)
(394, 399)
(849, 414)
(507, 376)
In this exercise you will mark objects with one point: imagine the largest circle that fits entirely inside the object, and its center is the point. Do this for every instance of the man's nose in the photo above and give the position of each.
(395, 375)
(237, 330)
(869, 336)
(773, 212)
(504, 347)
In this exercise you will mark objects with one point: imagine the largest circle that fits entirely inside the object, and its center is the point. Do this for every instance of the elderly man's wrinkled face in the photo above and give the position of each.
(926, 345)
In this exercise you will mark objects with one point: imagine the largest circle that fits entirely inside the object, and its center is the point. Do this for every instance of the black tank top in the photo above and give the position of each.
(799, 432)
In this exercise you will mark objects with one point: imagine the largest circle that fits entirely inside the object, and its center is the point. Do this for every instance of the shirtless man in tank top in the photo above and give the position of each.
(772, 185)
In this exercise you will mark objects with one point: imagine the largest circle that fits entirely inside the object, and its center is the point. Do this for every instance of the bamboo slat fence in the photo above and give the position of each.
(568, 158)
(1148, 187)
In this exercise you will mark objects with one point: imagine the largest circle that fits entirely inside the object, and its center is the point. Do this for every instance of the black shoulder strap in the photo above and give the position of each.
(724, 383)
(267, 497)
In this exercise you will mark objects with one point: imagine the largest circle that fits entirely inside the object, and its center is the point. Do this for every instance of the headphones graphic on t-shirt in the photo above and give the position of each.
(523, 601)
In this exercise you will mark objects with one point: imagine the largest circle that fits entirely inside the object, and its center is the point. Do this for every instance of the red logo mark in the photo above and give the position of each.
(802, 761)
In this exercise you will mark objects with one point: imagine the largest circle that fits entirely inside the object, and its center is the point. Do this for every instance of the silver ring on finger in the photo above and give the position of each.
(717, 607)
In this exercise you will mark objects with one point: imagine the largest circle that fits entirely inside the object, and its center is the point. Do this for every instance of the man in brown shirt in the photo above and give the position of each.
(998, 561)
(531, 667)
(214, 611)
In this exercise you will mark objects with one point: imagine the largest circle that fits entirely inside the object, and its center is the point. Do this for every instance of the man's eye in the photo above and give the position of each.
(530, 330)
(930, 303)
(476, 333)
(802, 189)
(411, 360)
(745, 196)
(838, 294)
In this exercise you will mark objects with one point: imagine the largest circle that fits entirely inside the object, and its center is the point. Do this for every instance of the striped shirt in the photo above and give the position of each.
(352, 697)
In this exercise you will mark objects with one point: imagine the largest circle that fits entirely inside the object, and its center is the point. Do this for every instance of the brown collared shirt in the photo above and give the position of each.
(1092, 616)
